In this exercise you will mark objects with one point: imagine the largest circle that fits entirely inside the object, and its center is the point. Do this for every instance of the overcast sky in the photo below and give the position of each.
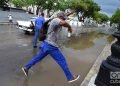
(108, 6)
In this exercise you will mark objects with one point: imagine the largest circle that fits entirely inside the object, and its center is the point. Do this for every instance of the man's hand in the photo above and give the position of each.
(70, 30)
(65, 24)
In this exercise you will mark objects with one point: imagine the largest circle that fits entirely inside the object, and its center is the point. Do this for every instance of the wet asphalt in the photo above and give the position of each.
(16, 49)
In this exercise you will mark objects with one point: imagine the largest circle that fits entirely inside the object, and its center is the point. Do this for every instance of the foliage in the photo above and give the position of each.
(50, 4)
(92, 8)
(78, 5)
(88, 7)
(116, 17)
(101, 18)
(39, 2)
(3, 2)
(21, 3)
(61, 5)
(18, 3)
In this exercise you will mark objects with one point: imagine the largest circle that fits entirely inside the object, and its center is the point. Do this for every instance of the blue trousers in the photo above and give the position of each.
(35, 36)
(56, 55)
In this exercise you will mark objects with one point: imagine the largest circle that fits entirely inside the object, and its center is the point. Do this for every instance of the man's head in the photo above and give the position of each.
(41, 14)
(62, 15)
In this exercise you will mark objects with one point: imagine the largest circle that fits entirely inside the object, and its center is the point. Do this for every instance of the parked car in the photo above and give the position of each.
(27, 26)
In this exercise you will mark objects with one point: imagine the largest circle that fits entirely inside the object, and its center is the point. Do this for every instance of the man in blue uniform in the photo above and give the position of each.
(38, 24)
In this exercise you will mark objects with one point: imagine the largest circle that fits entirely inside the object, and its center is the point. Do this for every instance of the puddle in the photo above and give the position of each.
(80, 52)
(88, 40)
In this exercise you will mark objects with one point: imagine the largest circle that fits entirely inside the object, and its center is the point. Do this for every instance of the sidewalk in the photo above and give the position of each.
(6, 23)
(90, 78)
(16, 16)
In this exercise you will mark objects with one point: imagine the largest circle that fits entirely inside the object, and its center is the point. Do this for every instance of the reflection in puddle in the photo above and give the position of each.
(25, 83)
(35, 50)
(110, 38)
(87, 40)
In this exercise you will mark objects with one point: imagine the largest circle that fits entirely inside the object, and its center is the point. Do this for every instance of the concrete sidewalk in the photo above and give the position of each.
(7, 23)
(16, 16)
(90, 78)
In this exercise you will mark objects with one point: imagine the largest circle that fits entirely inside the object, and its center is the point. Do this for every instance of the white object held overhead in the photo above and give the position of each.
(69, 34)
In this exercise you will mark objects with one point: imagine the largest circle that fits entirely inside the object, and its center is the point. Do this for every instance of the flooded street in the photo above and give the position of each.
(16, 49)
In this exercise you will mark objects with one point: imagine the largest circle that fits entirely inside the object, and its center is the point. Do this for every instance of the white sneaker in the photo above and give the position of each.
(74, 79)
(25, 71)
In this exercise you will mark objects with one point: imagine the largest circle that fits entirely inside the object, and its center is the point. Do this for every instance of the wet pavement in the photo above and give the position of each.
(16, 49)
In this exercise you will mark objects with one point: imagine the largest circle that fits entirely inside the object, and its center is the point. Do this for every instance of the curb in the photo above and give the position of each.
(95, 68)
(7, 23)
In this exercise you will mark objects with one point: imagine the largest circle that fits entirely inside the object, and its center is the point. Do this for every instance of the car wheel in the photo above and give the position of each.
(27, 32)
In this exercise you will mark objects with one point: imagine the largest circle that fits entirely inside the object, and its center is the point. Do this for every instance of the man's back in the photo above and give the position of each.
(39, 22)
(53, 32)
(38, 25)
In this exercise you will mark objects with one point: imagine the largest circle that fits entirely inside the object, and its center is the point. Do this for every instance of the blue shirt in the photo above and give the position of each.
(39, 22)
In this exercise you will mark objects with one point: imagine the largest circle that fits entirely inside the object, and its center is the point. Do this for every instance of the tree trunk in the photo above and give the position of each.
(37, 11)
(48, 13)
(118, 27)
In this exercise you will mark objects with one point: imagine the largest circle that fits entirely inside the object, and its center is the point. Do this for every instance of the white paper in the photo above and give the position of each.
(69, 34)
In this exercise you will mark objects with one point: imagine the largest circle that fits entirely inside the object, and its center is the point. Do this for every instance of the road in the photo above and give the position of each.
(16, 49)
(16, 16)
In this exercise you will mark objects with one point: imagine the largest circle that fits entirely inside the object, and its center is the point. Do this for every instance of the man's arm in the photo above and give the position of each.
(65, 24)
(35, 21)
(70, 13)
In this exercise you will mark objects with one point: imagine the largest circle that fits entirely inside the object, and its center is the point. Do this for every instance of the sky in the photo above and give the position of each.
(108, 6)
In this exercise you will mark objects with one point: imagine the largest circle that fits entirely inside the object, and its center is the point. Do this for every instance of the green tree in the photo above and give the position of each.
(78, 5)
(21, 3)
(50, 4)
(3, 2)
(101, 18)
(87, 7)
(116, 18)
(62, 4)
(53, 5)
(18, 3)
(92, 8)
